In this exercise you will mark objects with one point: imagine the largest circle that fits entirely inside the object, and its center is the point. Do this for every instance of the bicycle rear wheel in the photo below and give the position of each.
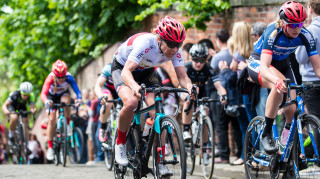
(108, 146)
(207, 146)
(190, 155)
(310, 129)
(251, 149)
(22, 143)
(75, 153)
(63, 143)
(175, 161)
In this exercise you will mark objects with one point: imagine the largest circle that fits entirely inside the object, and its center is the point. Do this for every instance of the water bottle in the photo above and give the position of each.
(195, 128)
(147, 128)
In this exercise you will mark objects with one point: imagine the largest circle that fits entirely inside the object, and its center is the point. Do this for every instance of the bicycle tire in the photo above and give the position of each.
(75, 154)
(190, 155)
(56, 147)
(108, 151)
(63, 144)
(305, 169)
(252, 168)
(171, 129)
(23, 158)
(208, 147)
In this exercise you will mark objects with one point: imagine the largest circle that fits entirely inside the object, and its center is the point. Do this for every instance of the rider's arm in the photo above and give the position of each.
(98, 86)
(74, 86)
(315, 61)
(183, 78)
(46, 87)
(5, 107)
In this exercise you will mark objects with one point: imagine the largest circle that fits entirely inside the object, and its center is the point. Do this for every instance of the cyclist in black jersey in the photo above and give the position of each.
(199, 72)
(18, 100)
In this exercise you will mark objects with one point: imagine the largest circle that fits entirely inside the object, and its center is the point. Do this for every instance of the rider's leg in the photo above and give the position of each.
(186, 119)
(272, 107)
(51, 128)
(288, 112)
(104, 117)
(67, 110)
(125, 118)
(12, 124)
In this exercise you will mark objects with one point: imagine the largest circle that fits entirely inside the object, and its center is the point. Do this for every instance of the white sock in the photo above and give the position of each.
(10, 134)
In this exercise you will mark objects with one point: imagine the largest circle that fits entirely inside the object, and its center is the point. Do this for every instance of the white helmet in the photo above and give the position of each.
(26, 87)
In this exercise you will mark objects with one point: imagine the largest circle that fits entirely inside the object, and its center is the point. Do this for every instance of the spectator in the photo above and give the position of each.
(257, 30)
(37, 156)
(241, 46)
(221, 120)
(311, 97)
(185, 52)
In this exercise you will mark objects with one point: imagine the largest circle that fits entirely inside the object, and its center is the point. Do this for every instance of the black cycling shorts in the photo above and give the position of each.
(148, 76)
(283, 66)
(56, 98)
(11, 108)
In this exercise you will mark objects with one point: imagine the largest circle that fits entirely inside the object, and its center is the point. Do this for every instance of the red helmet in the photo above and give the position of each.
(59, 68)
(292, 12)
(172, 30)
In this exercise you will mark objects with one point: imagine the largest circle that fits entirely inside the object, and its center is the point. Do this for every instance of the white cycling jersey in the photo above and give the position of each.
(143, 49)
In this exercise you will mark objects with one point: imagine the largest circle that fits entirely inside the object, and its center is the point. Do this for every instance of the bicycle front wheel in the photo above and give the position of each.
(306, 164)
(22, 142)
(207, 146)
(63, 144)
(174, 154)
(108, 146)
(252, 150)
(190, 154)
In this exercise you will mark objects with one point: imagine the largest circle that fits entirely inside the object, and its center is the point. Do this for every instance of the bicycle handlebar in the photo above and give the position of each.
(61, 105)
(196, 101)
(114, 101)
(157, 89)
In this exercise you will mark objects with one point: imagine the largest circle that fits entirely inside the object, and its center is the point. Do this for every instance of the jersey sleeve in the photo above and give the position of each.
(268, 40)
(309, 42)
(212, 74)
(177, 60)
(13, 96)
(45, 88)
(74, 86)
(140, 48)
(106, 71)
(32, 98)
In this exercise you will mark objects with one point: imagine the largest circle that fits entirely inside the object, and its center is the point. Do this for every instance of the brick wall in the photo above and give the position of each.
(252, 14)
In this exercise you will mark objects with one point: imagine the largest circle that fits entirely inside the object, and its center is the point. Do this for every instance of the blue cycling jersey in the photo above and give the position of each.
(280, 46)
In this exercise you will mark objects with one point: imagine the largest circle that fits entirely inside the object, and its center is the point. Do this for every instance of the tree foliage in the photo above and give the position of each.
(37, 33)
(198, 11)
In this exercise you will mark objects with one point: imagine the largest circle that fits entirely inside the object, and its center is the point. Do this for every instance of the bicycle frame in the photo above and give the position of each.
(296, 124)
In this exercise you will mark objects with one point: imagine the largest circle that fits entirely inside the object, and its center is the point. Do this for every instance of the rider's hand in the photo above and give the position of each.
(242, 65)
(103, 99)
(281, 86)
(33, 110)
(77, 102)
(48, 103)
(223, 99)
(136, 91)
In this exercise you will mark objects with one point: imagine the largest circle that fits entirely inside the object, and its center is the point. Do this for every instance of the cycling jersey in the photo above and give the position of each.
(17, 102)
(280, 46)
(143, 49)
(53, 88)
(200, 77)
(106, 73)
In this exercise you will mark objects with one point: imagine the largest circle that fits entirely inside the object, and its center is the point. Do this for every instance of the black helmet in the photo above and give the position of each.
(199, 51)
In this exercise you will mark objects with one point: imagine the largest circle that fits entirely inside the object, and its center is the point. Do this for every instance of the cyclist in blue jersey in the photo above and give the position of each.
(277, 42)
(105, 90)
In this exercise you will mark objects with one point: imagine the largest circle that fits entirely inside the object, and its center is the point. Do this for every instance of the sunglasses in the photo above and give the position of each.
(293, 26)
(199, 60)
(25, 94)
(60, 78)
(171, 44)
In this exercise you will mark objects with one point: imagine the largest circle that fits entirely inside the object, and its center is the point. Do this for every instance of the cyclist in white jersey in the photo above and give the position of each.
(134, 63)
